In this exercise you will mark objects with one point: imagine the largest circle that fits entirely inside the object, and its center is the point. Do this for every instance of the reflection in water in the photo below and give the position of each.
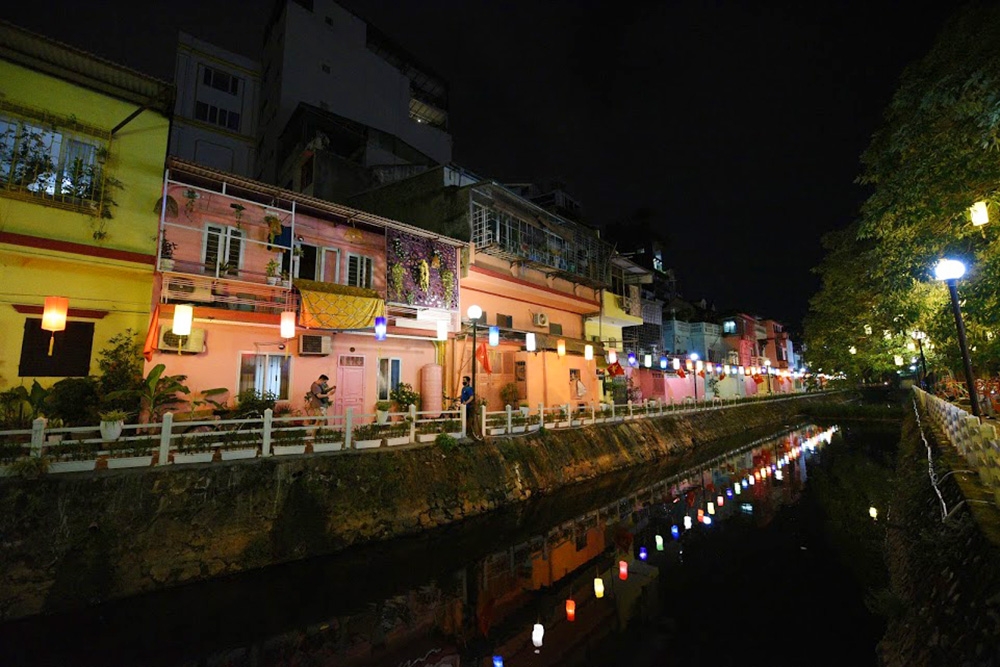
(554, 598)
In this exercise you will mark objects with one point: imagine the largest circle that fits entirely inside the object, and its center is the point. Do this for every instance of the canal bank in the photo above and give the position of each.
(77, 539)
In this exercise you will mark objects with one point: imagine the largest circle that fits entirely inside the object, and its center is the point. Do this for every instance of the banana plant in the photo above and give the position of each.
(157, 394)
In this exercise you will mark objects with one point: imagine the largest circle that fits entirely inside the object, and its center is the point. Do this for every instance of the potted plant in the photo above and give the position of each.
(518, 422)
(397, 434)
(131, 453)
(191, 196)
(196, 448)
(366, 436)
(272, 271)
(327, 440)
(288, 441)
(239, 445)
(238, 214)
(382, 411)
(73, 456)
(509, 394)
(496, 424)
(167, 248)
(273, 223)
(53, 423)
(112, 423)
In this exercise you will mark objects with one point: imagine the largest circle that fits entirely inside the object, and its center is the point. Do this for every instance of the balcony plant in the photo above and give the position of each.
(195, 448)
(112, 423)
(73, 456)
(382, 411)
(238, 214)
(131, 453)
(273, 223)
(272, 271)
(328, 440)
(167, 248)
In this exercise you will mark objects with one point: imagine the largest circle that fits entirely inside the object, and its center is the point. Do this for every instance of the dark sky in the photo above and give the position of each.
(737, 125)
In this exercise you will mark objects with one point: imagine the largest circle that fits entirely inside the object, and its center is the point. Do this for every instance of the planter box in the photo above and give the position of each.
(427, 437)
(562, 424)
(367, 444)
(319, 447)
(533, 427)
(497, 431)
(398, 440)
(576, 422)
(131, 461)
(517, 429)
(193, 457)
(550, 425)
(234, 454)
(284, 450)
(72, 466)
(588, 422)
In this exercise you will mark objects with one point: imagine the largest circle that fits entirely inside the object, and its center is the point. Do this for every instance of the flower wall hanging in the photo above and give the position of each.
(421, 271)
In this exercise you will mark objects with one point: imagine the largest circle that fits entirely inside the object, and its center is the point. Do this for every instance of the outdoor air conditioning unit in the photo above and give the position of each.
(314, 344)
(171, 342)
(541, 320)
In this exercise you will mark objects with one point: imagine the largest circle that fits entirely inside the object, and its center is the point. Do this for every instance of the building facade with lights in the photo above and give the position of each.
(281, 288)
(82, 143)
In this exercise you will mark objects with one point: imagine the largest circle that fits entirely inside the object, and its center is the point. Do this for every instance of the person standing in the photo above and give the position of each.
(319, 394)
(467, 399)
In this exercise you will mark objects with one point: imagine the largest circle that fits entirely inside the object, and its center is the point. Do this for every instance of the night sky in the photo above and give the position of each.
(736, 127)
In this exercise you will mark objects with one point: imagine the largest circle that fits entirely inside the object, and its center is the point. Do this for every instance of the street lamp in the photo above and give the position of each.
(694, 375)
(767, 369)
(919, 336)
(950, 270)
(474, 312)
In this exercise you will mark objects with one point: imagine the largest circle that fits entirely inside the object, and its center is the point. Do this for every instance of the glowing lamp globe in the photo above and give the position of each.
(622, 570)
(588, 352)
(729, 493)
(474, 312)
(380, 328)
(980, 216)
(711, 507)
(708, 521)
(663, 363)
(687, 523)
(183, 317)
(537, 633)
(497, 661)
(631, 359)
(720, 501)
(873, 513)
(561, 348)
(701, 514)
(675, 532)
(647, 360)
(612, 356)
(738, 488)
(677, 363)
(949, 269)
(288, 324)
(529, 342)
(598, 587)
(643, 554)
(54, 313)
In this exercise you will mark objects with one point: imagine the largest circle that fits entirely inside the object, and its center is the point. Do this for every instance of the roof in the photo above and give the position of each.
(40, 53)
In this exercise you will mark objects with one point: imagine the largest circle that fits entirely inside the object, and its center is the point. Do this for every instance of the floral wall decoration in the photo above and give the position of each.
(421, 271)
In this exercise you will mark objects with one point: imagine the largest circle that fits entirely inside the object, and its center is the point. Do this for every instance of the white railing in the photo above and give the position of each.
(174, 442)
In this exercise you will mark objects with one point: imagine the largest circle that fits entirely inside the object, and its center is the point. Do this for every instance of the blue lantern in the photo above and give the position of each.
(494, 336)
(675, 531)
(380, 328)
(631, 359)
(497, 661)
(642, 553)
(663, 363)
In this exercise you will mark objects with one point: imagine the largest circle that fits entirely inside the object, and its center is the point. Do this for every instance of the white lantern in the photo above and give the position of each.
(183, 317)
(537, 633)
(588, 352)
(442, 330)
(529, 342)
(647, 360)
(980, 216)
(288, 324)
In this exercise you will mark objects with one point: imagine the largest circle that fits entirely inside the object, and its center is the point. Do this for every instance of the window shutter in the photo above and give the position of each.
(235, 245)
(213, 239)
(352, 270)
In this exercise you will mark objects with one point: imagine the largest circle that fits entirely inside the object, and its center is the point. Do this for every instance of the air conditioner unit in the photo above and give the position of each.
(171, 342)
(541, 320)
(314, 344)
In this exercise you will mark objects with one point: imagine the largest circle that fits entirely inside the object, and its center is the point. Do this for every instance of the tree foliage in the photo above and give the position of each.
(937, 152)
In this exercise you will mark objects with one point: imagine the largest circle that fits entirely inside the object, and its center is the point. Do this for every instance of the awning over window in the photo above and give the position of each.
(332, 306)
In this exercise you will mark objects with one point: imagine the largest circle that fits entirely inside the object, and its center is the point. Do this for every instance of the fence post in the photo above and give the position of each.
(630, 408)
(165, 436)
(37, 436)
(265, 448)
(462, 413)
(612, 409)
(593, 413)
(349, 428)
(510, 424)
(482, 419)
(413, 423)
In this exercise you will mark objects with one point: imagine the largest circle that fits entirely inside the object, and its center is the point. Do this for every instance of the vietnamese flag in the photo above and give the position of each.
(484, 358)
(681, 373)
(152, 335)
(722, 376)
(701, 374)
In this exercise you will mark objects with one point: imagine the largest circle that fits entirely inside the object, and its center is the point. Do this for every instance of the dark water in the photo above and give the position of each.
(779, 577)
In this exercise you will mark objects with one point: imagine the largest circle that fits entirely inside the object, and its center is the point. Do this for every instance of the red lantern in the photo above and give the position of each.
(570, 609)
(622, 570)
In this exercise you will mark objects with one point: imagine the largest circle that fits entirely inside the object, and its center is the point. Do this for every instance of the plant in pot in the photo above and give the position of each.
(238, 214)
(167, 248)
(367, 435)
(273, 223)
(404, 396)
(382, 411)
(272, 271)
(112, 422)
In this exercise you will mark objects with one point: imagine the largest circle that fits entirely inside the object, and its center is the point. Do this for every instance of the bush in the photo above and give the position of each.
(74, 401)
(14, 412)
(404, 396)
(446, 442)
(121, 369)
(509, 395)
(251, 402)
(367, 432)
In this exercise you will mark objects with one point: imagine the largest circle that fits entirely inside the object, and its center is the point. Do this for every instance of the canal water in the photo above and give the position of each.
(763, 556)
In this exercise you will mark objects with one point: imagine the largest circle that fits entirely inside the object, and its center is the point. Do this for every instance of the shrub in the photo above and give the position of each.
(121, 369)
(509, 395)
(13, 411)
(446, 442)
(251, 402)
(367, 432)
(11, 451)
(74, 400)
(31, 467)
(404, 396)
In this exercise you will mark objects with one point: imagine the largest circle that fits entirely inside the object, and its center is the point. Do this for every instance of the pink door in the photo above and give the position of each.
(350, 384)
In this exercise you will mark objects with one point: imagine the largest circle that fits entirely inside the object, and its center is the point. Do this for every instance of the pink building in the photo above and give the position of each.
(243, 253)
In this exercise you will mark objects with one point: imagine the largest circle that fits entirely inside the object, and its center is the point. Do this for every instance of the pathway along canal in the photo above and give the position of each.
(773, 570)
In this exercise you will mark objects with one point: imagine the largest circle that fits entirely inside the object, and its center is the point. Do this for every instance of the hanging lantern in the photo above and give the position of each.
(738, 489)
(689, 364)
(720, 501)
(725, 369)
(708, 521)
(442, 330)
(598, 587)
(701, 514)
(183, 317)
(631, 359)
(380, 328)
(494, 336)
(622, 570)
(647, 360)
(711, 507)
(571, 609)
(677, 363)
(288, 324)
(529, 342)
(778, 475)
(675, 532)
(729, 493)
(54, 317)
(743, 371)
(497, 661)
(980, 216)
(612, 356)
(588, 352)
(663, 363)
(687, 523)
(561, 348)
(537, 633)
(643, 554)
(659, 542)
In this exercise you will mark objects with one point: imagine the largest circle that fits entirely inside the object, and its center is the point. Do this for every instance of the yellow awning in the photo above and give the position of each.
(332, 306)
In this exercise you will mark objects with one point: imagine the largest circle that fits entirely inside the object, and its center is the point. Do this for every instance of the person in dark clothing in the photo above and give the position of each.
(467, 398)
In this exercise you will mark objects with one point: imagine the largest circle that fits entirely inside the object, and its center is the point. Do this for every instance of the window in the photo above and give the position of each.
(505, 321)
(555, 329)
(265, 373)
(70, 350)
(217, 116)
(729, 327)
(388, 377)
(223, 250)
(50, 162)
(359, 271)
(220, 81)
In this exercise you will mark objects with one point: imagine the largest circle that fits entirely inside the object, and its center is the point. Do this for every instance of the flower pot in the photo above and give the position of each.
(562, 424)
(398, 440)
(55, 437)
(576, 422)
(280, 450)
(524, 410)
(382, 416)
(131, 461)
(192, 457)
(111, 430)
(367, 444)
(72, 466)
(533, 427)
(319, 447)
(426, 437)
(166, 264)
(271, 280)
(497, 430)
(517, 429)
(233, 454)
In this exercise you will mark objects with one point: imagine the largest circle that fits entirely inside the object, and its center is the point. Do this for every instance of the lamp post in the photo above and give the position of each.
(767, 369)
(694, 375)
(474, 312)
(950, 270)
(919, 336)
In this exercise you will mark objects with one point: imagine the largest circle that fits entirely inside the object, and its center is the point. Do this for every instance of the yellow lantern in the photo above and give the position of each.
(598, 587)
(561, 348)
(612, 356)
(54, 316)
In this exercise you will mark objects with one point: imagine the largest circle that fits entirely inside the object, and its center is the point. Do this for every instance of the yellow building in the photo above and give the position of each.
(82, 148)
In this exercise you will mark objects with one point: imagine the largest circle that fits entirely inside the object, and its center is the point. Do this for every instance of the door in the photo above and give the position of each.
(350, 384)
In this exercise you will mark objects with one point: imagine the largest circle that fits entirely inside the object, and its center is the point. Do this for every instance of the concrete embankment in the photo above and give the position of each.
(70, 540)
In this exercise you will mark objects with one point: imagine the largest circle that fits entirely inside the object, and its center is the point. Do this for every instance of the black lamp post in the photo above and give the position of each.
(919, 337)
(694, 375)
(950, 270)
(474, 312)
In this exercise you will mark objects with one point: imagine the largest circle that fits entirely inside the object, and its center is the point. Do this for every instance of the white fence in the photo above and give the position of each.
(975, 441)
(176, 441)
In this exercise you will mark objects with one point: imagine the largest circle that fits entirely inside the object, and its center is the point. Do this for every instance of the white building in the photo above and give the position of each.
(215, 114)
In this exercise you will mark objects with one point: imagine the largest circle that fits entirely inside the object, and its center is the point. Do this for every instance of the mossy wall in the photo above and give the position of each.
(69, 540)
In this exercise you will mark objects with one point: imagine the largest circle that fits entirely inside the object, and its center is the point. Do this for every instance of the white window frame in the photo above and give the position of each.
(226, 234)
(386, 382)
(261, 373)
(366, 265)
